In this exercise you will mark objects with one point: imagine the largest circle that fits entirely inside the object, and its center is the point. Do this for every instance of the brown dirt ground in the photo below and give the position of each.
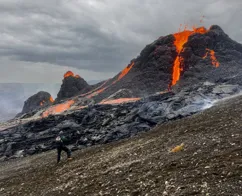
(209, 164)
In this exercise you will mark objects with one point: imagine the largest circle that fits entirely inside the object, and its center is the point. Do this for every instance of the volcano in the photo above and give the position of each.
(176, 76)
(176, 61)
(171, 62)
(72, 85)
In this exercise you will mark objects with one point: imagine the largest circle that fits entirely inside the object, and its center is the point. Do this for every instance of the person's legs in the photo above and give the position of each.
(58, 153)
(67, 150)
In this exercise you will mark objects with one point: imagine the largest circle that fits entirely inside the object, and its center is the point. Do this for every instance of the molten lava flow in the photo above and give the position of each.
(180, 39)
(58, 108)
(95, 93)
(99, 89)
(212, 57)
(51, 99)
(96, 89)
(125, 71)
(69, 73)
(119, 101)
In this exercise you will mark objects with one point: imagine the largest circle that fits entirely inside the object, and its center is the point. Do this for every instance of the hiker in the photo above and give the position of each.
(60, 144)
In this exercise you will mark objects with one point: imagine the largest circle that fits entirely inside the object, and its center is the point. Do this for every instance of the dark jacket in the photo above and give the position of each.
(61, 140)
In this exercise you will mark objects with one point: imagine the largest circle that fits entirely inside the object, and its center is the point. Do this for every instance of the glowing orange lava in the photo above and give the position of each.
(58, 108)
(99, 89)
(95, 93)
(180, 39)
(51, 99)
(119, 101)
(212, 57)
(69, 73)
(94, 90)
(125, 71)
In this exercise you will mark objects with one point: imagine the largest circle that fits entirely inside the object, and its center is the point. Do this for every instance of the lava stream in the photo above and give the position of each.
(121, 75)
(180, 39)
(58, 108)
(119, 101)
(96, 89)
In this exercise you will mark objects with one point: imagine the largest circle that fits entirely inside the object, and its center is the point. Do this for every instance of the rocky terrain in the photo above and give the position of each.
(171, 79)
(38, 100)
(209, 162)
(104, 123)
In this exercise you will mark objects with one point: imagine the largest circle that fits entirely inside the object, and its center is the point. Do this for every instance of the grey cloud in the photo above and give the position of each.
(101, 35)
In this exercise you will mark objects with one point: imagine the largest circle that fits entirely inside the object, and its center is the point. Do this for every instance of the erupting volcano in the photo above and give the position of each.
(70, 73)
(181, 38)
(190, 56)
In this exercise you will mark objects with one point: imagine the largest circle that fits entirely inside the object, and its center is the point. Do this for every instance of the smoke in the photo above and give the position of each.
(13, 95)
(208, 103)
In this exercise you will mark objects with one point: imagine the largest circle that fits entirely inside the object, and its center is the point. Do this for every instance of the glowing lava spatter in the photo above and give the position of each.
(212, 57)
(70, 73)
(180, 39)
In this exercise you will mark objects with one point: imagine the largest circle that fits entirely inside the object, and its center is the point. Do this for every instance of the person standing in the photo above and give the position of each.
(60, 145)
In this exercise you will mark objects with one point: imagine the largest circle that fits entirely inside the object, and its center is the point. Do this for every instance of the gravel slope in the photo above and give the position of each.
(209, 164)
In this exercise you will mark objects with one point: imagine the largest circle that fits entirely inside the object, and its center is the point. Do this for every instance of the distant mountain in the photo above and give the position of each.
(13, 95)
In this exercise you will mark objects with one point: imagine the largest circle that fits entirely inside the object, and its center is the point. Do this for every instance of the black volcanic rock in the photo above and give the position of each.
(39, 100)
(122, 93)
(99, 124)
(72, 86)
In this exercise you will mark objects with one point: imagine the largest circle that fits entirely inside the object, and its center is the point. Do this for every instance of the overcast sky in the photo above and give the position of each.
(42, 39)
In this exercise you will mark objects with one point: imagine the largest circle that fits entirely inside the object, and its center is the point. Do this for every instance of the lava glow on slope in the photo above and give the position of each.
(212, 57)
(99, 89)
(180, 39)
(125, 71)
(95, 93)
(96, 89)
(59, 108)
(119, 101)
(51, 99)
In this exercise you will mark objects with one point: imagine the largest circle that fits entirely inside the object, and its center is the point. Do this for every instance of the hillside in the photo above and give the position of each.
(13, 95)
(210, 164)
